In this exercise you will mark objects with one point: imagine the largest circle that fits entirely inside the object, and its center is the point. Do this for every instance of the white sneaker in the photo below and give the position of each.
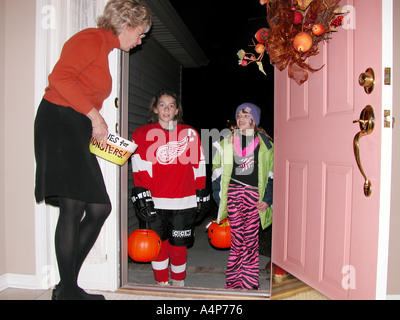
(178, 283)
(163, 284)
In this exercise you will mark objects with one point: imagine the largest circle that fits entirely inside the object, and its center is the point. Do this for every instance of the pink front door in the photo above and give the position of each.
(325, 230)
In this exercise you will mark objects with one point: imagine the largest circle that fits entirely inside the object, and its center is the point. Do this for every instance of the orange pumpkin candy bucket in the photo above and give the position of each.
(219, 235)
(144, 245)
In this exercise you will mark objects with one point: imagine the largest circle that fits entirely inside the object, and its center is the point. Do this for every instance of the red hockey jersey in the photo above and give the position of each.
(169, 164)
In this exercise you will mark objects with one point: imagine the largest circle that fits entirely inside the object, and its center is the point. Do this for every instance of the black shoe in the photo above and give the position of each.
(82, 295)
(55, 292)
(88, 296)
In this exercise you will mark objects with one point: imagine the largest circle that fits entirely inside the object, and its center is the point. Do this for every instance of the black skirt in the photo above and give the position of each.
(64, 165)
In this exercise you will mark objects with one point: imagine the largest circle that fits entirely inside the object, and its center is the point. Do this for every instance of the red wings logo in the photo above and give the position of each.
(167, 153)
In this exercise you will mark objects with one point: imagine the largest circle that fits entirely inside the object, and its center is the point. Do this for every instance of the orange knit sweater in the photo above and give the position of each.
(81, 78)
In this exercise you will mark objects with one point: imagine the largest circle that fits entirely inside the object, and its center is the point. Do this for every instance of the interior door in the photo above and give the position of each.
(325, 229)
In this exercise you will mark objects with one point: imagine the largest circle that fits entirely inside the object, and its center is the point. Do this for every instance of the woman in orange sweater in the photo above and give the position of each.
(67, 174)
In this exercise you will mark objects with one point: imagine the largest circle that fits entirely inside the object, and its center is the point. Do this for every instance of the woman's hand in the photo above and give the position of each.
(262, 206)
(99, 126)
(100, 133)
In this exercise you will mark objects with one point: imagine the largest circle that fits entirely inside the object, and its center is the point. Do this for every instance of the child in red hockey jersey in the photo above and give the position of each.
(169, 162)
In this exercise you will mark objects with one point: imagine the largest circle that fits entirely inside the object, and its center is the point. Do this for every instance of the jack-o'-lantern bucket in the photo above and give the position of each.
(219, 235)
(117, 150)
(144, 245)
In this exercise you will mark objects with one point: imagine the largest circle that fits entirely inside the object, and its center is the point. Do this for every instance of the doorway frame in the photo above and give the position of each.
(385, 199)
(124, 285)
(386, 153)
(124, 111)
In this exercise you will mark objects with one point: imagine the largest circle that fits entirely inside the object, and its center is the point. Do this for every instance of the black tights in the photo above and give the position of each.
(78, 227)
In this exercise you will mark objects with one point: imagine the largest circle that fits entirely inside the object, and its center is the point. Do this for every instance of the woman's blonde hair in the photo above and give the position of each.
(120, 13)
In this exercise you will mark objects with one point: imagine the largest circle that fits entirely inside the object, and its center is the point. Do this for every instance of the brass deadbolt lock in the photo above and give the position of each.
(367, 80)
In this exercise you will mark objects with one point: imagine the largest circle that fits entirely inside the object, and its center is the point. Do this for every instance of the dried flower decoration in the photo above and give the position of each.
(295, 29)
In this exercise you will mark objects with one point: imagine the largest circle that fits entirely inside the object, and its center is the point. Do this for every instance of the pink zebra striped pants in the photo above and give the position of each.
(243, 262)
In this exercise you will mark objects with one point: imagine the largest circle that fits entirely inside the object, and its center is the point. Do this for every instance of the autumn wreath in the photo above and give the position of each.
(295, 28)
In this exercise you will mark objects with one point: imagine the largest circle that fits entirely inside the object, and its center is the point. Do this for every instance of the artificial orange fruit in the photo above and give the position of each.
(317, 29)
(302, 42)
(260, 48)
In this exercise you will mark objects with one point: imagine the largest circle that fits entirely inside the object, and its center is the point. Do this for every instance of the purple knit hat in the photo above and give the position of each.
(252, 109)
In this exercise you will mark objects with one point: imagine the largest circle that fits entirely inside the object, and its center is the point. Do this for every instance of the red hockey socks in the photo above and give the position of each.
(178, 258)
(160, 265)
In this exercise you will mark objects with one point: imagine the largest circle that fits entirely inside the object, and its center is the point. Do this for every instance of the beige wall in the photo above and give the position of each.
(17, 205)
(2, 210)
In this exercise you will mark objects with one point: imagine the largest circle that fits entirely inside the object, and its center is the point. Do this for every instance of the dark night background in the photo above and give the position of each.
(211, 94)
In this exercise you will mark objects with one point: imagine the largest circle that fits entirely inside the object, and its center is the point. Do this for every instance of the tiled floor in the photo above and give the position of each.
(197, 277)
(21, 294)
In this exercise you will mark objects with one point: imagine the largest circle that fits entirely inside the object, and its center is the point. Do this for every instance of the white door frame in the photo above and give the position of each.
(124, 192)
(386, 154)
(100, 270)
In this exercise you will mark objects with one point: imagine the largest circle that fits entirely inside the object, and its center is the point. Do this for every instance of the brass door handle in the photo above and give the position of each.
(367, 125)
